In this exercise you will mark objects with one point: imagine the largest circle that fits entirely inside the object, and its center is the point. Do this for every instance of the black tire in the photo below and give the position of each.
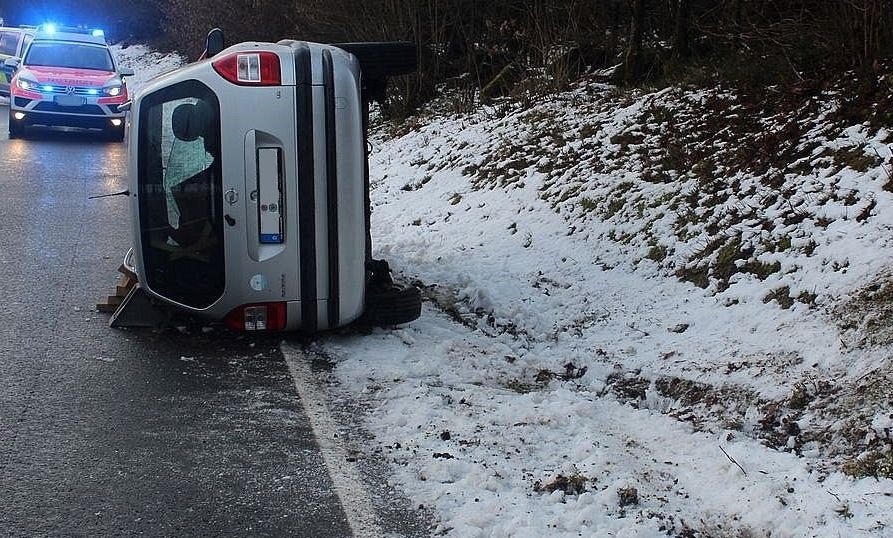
(115, 134)
(384, 59)
(16, 128)
(392, 306)
(379, 274)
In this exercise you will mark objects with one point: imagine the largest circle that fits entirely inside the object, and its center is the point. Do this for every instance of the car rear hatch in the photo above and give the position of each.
(250, 186)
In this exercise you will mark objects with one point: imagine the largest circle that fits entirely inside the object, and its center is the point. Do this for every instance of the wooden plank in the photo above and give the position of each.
(106, 308)
(126, 272)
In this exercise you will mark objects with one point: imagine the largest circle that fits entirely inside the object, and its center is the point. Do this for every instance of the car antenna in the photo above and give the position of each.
(122, 193)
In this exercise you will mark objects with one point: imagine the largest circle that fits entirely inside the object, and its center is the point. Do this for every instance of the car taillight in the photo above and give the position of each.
(250, 68)
(257, 317)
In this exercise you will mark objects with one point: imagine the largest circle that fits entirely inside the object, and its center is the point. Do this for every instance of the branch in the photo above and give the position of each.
(731, 459)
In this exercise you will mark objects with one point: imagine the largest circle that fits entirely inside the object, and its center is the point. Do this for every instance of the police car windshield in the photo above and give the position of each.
(71, 55)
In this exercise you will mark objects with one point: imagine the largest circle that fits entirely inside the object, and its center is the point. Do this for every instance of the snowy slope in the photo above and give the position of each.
(145, 62)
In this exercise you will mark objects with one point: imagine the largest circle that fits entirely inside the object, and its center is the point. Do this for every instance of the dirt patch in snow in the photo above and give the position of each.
(866, 317)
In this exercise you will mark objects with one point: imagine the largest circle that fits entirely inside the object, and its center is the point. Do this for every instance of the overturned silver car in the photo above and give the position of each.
(249, 188)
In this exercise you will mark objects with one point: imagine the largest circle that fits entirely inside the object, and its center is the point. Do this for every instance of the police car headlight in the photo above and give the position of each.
(26, 84)
(113, 91)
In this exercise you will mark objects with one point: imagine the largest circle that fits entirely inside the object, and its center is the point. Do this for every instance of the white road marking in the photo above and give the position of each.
(345, 476)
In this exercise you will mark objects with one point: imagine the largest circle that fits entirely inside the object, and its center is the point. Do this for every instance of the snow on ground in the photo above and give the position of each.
(145, 62)
(606, 353)
(638, 323)
(563, 459)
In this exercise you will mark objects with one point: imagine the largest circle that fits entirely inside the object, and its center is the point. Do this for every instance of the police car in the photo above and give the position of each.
(68, 77)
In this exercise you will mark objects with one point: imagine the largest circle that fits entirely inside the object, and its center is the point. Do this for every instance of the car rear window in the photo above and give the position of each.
(72, 55)
(179, 189)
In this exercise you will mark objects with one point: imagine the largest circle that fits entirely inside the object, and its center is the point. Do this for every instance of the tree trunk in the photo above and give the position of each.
(681, 25)
(633, 60)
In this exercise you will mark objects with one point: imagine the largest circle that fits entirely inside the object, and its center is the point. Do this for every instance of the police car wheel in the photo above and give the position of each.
(115, 134)
(16, 128)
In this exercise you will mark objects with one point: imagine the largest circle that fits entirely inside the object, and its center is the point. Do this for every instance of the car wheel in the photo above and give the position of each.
(16, 128)
(383, 60)
(115, 134)
(392, 306)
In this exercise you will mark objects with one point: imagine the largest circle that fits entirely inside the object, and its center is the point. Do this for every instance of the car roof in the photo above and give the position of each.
(21, 30)
(71, 37)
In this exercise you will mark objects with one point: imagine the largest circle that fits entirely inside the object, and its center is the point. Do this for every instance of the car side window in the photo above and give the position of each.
(25, 42)
(9, 43)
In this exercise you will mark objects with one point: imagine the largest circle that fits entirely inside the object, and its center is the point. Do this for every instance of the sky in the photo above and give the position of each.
(139, 20)
(562, 381)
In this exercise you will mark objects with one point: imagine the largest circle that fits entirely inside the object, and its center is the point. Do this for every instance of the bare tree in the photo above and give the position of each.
(633, 59)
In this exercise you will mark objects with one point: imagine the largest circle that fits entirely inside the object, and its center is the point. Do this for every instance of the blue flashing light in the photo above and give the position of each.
(49, 28)
(46, 88)
(93, 91)
(98, 33)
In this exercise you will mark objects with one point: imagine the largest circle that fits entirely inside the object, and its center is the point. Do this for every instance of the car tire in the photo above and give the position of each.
(392, 306)
(383, 60)
(115, 134)
(16, 128)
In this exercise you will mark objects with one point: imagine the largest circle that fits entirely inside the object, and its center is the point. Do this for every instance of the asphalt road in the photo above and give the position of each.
(130, 433)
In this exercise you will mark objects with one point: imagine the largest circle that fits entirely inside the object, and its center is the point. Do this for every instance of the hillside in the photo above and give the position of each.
(651, 313)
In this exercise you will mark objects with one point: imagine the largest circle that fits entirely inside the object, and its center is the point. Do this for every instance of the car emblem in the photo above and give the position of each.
(69, 90)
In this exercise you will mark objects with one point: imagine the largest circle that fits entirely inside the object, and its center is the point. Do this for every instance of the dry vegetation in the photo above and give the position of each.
(480, 50)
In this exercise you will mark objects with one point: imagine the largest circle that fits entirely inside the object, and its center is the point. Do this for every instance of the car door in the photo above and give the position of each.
(9, 48)
(23, 44)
